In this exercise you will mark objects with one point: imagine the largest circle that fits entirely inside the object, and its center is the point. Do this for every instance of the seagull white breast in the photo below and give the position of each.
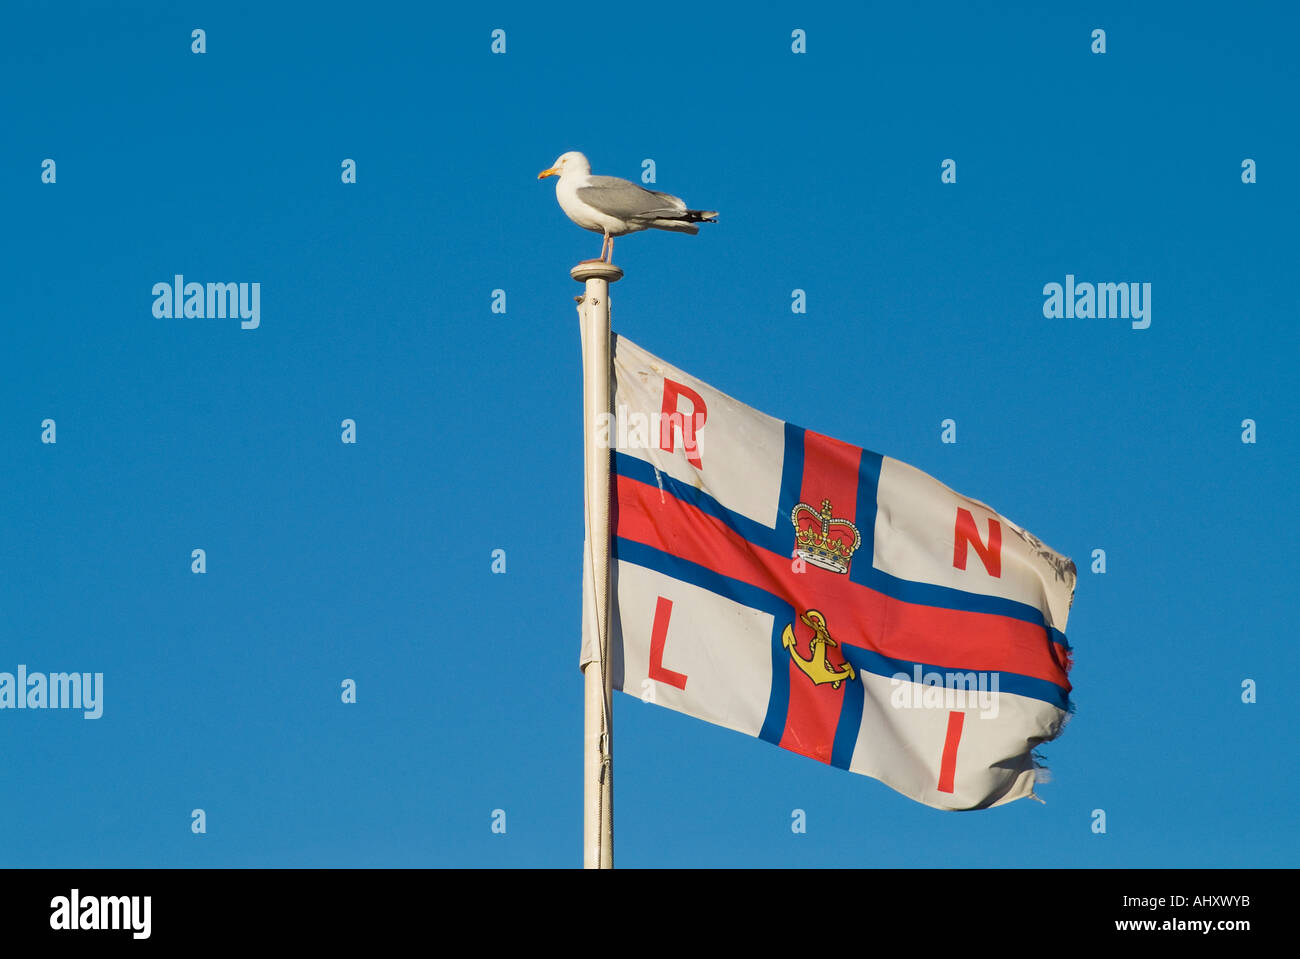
(583, 213)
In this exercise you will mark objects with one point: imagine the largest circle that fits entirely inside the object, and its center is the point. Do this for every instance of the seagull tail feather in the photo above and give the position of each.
(675, 226)
(685, 221)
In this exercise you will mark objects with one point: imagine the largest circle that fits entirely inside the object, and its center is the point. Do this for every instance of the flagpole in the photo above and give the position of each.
(598, 726)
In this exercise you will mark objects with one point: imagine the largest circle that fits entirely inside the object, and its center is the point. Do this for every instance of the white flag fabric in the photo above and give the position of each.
(825, 598)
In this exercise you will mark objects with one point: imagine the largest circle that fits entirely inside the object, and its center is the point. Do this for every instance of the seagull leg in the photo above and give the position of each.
(601, 258)
(611, 251)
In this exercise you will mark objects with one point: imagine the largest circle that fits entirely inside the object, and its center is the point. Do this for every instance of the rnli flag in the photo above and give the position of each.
(830, 600)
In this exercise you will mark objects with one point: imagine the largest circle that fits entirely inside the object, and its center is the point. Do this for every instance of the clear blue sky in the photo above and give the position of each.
(372, 561)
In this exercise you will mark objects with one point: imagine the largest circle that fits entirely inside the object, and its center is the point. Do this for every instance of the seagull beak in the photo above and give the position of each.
(545, 173)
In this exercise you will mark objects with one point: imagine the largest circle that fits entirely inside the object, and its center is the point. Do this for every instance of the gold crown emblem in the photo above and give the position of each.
(827, 542)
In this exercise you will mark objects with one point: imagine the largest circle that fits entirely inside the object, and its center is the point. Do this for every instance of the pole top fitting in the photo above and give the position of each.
(596, 270)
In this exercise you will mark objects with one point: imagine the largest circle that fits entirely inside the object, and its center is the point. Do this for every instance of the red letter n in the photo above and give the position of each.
(672, 416)
(990, 556)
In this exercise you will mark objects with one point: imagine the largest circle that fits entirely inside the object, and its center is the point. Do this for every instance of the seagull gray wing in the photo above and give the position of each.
(627, 201)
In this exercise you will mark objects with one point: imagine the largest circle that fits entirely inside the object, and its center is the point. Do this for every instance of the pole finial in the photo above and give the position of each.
(596, 270)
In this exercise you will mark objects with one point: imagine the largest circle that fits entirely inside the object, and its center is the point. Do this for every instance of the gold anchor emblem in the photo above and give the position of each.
(816, 668)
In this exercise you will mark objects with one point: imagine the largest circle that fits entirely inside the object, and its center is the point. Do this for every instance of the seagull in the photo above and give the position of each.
(614, 207)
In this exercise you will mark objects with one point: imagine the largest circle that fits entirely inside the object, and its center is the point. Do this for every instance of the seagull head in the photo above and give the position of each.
(571, 162)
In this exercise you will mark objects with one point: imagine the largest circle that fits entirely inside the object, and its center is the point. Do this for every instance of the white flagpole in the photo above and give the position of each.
(598, 726)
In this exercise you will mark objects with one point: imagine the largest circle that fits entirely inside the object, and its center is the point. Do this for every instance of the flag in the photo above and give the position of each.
(827, 599)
